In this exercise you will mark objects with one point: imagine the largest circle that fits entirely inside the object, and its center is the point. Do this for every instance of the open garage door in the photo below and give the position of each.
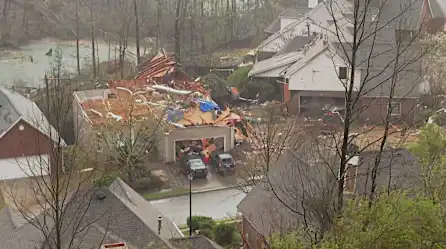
(197, 133)
(20, 167)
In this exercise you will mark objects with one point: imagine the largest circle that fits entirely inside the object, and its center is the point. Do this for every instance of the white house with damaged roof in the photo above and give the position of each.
(315, 21)
(314, 77)
(291, 15)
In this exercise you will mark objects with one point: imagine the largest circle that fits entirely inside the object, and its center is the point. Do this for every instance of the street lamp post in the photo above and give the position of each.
(190, 177)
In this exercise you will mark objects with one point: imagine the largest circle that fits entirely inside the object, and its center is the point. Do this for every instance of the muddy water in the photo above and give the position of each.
(17, 65)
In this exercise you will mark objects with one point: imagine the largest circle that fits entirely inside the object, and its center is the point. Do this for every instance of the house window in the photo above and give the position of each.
(403, 35)
(394, 108)
(343, 73)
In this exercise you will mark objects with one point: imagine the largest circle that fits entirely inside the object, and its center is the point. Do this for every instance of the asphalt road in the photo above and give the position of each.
(216, 204)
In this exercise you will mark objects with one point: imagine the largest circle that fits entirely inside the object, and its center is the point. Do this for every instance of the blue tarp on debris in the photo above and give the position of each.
(206, 105)
(174, 115)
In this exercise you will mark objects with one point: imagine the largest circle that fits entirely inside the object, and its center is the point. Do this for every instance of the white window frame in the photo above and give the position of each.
(399, 109)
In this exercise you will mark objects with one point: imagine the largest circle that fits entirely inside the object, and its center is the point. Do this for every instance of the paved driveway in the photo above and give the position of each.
(212, 181)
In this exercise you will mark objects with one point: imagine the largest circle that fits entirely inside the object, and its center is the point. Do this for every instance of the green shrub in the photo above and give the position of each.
(224, 233)
(239, 78)
(148, 183)
(200, 222)
(207, 232)
(105, 180)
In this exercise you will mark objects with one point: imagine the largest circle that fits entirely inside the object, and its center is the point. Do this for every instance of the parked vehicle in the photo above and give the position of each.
(332, 119)
(193, 165)
(223, 163)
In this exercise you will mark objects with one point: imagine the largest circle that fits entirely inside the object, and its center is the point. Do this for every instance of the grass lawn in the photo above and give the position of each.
(166, 194)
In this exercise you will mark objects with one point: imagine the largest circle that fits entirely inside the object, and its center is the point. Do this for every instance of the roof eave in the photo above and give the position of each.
(10, 127)
(272, 68)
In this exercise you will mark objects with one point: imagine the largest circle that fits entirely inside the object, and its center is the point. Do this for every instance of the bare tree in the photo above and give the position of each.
(434, 67)
(268, 135)
(77, 39)
(159, 24)
(93, 45)
(179, 9)
(359, 33)
(59, 182)
(133, 144)
(135, 8)
(374, 47)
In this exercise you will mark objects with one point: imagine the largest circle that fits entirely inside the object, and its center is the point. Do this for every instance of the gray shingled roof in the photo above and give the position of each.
(274, 62)
(295, 45)
(14, 106)
(404, 14)
(23, 237)
(123, 216)
(195, 242)
(297, 183)
(300, 9)
(400, 164)
(273, 27)
(120, 217)
(438, 8)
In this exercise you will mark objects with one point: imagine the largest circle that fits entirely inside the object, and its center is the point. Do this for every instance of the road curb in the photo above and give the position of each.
(204, 191)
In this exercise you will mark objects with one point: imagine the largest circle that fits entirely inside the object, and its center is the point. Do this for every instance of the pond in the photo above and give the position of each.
(16, 65)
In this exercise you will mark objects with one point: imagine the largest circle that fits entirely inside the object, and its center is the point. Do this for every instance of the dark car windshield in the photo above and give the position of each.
(196, 164)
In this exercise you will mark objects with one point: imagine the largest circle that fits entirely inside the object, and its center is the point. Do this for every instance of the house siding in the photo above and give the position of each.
(436, 25)
(375, 109)
(28, 142)
(252, 239)
(319, 74)
(431, 25)
(294, 104)
(425, 16)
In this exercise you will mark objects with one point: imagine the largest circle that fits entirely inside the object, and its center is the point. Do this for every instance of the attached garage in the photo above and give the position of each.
(21, 167)
(197, 133)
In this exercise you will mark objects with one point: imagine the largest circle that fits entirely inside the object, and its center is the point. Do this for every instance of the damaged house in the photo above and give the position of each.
(163, 94)
(387, 69)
